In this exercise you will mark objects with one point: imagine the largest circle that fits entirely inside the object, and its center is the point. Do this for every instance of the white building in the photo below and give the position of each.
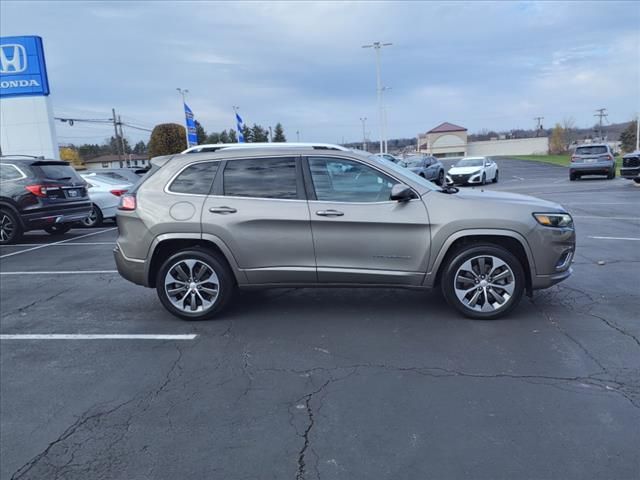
(130, 160)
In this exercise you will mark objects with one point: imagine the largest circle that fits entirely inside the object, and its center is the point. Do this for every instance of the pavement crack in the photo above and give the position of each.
(302, 463)
(36, 302)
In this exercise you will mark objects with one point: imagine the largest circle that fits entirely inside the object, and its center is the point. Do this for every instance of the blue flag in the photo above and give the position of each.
(239, 127)
(191, 126)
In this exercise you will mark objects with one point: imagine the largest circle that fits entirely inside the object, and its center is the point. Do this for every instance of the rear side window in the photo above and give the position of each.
(195, 179)
(261, 178)
(9, 172)
(591, 150)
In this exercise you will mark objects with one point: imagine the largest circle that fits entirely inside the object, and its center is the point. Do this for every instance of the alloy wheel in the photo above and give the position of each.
(192, 286)
(7, 228)
(92, 219)
(484, 283)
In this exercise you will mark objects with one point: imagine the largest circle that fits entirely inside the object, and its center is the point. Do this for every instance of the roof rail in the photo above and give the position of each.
(36, 157)
(212, 147)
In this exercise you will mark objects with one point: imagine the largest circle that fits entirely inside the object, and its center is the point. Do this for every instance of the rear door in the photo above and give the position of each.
(259, 210)
(360, 235)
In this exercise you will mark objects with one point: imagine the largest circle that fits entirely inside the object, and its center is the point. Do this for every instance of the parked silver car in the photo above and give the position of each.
(200, 225)
(427, 166)
(592, 159)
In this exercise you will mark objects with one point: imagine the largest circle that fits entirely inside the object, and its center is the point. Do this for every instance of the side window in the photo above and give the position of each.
(195, 179)
(338, 180)
(9, 172)
(261, 178)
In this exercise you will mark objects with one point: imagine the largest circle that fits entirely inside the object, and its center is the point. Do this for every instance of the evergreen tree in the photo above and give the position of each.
(224, 137)
(259, 134)
(278, 133)
(200, 133)
(233, 138)
(140, 148)
(247, 134)
(628, 138)
(214, 137)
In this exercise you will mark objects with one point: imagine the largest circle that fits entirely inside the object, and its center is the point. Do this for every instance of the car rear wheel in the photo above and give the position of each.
(94, 219)
(483, 282)
(194, 284)
(10, 228)
(612, 174)
(59, 229)
(572, 177)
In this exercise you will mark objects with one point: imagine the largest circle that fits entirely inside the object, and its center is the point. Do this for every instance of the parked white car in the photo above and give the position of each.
(105, 196)
(473, 170)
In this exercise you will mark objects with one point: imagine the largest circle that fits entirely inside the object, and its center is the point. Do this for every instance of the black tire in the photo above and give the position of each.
(422, 174)
(612, 175)
(10, 227)
(226, 283)
(448, 281)
(440, 180)
(636, 180)
(572, 177)
(495, 179)
(484, 179)
(95, 219)
(59, 229)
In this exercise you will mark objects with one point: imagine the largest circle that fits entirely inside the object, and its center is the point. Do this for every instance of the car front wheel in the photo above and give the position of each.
(59, 229)
(483, 282)
(495, 179)
(194, 284)
(440, 180)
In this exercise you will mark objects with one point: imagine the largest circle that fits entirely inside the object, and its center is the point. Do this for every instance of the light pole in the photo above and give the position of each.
(364, 135)
(384, 118)
(637, 133)
(298, 136)
(377, 46)
(183, 94)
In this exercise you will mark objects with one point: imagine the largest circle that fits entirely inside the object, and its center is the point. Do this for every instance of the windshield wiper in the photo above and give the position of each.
(449, 189)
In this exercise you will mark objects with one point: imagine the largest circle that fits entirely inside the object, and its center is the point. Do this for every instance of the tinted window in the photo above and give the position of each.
(592, 150)
(195, 179)
(337, 180)
(261, 177)
(9, 172)
(56, 172)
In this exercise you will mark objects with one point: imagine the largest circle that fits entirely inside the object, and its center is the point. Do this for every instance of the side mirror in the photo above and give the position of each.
(401, 193)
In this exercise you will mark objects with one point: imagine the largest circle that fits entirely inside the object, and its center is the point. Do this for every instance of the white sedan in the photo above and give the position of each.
(473, 170)
(105, 194)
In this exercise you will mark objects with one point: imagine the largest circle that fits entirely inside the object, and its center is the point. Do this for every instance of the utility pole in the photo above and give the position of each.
(601, 113)
(377, 46)
(638, 133)
(538, 125)
(270, 135)
(298, 135)
(115, 129)
(364, 136)
(183, 94)
(124, 150)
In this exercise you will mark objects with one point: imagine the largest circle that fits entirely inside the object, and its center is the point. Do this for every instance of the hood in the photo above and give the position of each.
(415, 169)
(511, 198)
(463, 170)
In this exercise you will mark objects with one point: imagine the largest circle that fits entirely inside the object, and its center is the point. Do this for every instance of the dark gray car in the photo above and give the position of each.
(426, 166)
(592, 159)
(200, 225)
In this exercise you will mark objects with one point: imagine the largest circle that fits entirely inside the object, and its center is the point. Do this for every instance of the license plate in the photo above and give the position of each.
(73, 193)
(590, 160)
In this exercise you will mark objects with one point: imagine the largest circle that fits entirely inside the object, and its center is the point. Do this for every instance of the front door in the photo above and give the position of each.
(360, 235)
(260, 212)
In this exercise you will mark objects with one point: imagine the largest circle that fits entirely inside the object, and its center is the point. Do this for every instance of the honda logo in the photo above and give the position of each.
(13, 58)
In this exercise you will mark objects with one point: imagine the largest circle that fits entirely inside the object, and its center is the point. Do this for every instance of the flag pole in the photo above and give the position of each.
(184, 113)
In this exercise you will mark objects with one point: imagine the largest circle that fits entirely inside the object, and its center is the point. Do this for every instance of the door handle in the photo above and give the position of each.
(222, 210)
(329, 213)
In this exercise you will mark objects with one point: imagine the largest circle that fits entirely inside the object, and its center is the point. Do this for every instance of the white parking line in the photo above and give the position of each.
(56, 243)
(631, 239)
(80, 272)
(107, 336)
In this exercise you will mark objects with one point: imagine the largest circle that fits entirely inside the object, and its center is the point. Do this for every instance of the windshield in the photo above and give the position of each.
(403, 172)
(413, 162)
(470, 162)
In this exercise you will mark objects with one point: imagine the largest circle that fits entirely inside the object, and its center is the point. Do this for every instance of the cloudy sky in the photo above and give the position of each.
(493, 65)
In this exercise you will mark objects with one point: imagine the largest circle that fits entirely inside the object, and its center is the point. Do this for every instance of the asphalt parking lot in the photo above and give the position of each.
(342, 384)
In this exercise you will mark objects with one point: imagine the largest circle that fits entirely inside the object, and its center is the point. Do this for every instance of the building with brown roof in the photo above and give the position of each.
(129, 160)
(445, 140)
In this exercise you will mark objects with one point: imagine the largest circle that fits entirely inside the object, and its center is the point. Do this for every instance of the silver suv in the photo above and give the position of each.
(592, 159)
(201, 225)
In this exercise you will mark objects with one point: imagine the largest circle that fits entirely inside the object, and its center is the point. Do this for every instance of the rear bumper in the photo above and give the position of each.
(41, 219)
(592, 168)
(630, 172)
(130, 269)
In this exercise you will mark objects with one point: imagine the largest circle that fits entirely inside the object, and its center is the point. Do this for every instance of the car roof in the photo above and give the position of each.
(220, 146)
(593, 145)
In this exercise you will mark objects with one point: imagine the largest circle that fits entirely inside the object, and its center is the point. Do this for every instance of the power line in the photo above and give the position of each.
(601, 113)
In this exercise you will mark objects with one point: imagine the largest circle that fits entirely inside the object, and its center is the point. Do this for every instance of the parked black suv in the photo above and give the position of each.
(37, 193)
(631, 166)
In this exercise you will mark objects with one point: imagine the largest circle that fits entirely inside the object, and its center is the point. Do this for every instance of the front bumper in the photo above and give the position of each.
(630, 172)
(553, 252)
(464, 179)
(130, 269)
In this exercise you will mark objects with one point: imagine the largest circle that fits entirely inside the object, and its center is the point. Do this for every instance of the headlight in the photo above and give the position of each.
(559, 220)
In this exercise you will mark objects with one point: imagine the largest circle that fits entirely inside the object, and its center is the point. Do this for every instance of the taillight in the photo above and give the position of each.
(574, 158)
(118, 193)
(127, 202)
(609, 157)
(41, 190)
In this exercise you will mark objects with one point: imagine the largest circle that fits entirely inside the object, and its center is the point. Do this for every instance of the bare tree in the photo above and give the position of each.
(569, 126)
